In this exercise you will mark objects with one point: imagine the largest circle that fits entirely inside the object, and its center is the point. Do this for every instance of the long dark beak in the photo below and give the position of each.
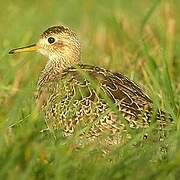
(30, 48)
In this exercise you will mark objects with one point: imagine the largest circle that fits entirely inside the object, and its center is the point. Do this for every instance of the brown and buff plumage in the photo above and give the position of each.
(88, 99)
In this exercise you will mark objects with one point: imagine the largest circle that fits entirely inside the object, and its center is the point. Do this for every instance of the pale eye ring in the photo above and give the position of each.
(51, 40)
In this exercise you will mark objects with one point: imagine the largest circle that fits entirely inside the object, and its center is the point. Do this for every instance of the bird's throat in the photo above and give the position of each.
(52, 70)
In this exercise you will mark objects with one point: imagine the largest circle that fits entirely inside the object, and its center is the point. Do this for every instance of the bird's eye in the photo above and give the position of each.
(51, 40)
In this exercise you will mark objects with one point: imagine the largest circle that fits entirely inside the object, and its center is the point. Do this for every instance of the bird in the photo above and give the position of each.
(92, 101)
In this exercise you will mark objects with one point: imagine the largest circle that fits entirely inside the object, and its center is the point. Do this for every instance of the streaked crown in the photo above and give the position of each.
(58, 43)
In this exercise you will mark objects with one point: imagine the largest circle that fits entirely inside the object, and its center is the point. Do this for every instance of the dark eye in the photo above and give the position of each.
(51, 40)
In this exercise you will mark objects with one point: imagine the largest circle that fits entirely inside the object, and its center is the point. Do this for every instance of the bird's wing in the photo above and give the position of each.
(82, 89)
(118, 86)
(115, 85)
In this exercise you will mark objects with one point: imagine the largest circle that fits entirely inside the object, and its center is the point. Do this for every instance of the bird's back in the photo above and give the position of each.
(96, 101)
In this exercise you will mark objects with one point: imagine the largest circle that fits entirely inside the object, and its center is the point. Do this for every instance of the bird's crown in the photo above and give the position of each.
(58, 43)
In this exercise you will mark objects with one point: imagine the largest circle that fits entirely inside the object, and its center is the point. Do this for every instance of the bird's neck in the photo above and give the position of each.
(53, 70)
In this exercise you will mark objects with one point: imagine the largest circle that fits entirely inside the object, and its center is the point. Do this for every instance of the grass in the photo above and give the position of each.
(138, 38)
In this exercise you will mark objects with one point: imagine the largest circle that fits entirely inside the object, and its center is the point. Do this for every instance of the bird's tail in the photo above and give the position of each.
(165, 124)
(164, 118)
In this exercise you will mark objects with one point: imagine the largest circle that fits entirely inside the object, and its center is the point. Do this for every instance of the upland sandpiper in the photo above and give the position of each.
(94, 100)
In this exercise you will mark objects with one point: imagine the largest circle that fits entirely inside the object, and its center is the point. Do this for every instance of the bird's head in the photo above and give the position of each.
(58, 43)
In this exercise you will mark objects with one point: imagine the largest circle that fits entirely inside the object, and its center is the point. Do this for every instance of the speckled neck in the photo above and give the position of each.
(52, 70)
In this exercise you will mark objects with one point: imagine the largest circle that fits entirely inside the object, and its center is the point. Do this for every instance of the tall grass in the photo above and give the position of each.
(137, 38)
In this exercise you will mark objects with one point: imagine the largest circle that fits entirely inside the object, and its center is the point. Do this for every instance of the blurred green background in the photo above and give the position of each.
(138, 38)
